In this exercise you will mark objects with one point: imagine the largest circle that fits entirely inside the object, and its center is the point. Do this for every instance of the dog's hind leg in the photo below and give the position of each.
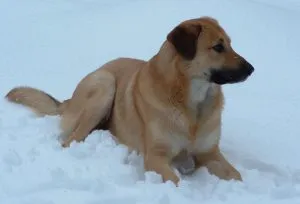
(94, 105)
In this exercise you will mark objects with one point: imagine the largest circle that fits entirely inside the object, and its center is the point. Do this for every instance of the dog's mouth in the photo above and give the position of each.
(230, 76)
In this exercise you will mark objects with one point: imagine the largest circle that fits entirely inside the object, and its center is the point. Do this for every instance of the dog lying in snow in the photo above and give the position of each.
(162, 107)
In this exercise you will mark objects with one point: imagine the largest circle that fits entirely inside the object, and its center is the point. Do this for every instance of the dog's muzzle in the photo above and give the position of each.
(232, 75)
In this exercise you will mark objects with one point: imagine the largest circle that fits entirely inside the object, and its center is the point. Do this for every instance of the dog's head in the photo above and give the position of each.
(206, 48)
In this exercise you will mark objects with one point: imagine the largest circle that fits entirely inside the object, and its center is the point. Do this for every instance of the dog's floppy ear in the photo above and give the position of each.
(184, 38)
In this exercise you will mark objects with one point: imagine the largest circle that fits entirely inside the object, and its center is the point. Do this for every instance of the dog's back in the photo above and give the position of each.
(43, 103)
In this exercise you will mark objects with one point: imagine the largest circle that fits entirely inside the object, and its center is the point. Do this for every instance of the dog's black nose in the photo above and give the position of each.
(247, 67)
(251, 69)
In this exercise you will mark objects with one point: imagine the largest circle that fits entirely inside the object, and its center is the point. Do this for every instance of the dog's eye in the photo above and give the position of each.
(219, 48)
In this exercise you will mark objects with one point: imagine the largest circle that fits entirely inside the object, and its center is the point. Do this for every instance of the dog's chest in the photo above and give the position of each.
(202, 143)
(194, 127)
(205, 133)
(177, 135)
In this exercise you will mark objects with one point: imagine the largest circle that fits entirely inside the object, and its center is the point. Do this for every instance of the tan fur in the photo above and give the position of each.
(39, 101)
(159, 107)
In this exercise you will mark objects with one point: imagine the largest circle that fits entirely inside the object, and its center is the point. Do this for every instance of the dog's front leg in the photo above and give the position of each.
(157, 160)
(217, 165)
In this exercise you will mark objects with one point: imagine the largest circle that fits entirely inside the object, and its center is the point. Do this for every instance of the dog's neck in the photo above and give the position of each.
(193, 93)
(200, 92)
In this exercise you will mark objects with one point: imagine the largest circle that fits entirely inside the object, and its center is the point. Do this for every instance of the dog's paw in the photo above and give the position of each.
(65, 144)
(225, 172)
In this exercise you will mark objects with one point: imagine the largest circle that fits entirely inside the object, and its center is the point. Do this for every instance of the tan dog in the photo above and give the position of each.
(161, 107)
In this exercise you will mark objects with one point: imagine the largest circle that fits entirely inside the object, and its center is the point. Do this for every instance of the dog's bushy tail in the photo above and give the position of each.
(39, 101)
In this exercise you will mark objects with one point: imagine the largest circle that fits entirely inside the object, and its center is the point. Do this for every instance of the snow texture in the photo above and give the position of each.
(51, 45)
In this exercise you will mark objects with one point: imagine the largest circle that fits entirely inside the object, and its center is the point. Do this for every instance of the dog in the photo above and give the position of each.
(162, 107)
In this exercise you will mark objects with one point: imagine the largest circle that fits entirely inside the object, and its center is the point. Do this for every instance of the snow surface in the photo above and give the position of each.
(51, 45)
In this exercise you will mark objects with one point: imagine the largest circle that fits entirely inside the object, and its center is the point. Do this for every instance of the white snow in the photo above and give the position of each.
(51, 45)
